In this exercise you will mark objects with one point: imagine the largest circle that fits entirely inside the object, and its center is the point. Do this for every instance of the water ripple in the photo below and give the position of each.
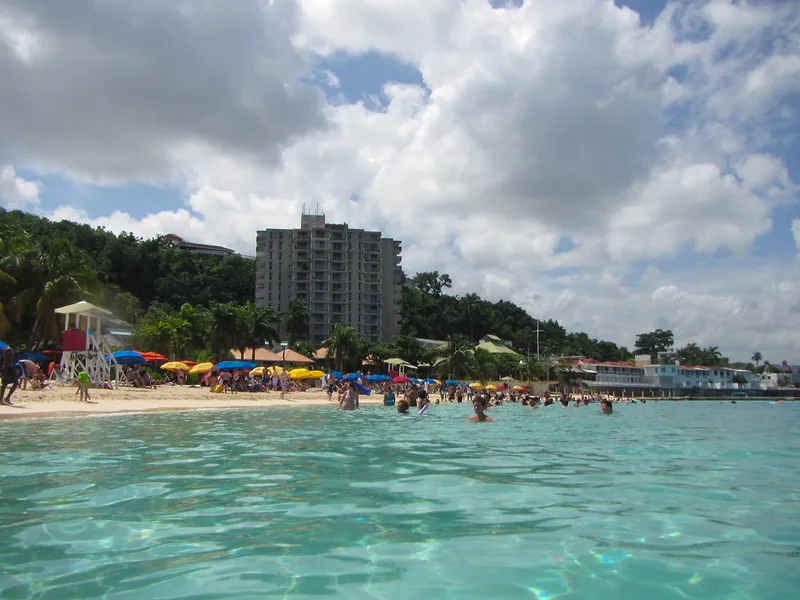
(697, 501)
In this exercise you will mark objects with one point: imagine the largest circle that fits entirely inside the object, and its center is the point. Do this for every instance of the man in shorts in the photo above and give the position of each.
(83, 386)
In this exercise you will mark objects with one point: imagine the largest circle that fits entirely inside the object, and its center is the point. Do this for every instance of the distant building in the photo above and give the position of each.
(345, 277)
(430, 344)
(181, 244)
(495, 345)
(685, 377)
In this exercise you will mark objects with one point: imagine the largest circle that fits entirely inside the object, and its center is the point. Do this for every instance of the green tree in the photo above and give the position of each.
(456, 357)
(431, 282)
(297, 320)
(344, 345)
(483, 365)
(653, 342)
(756, 358)
(260, 327)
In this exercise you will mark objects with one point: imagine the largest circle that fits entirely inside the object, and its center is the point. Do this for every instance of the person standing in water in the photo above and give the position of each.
(480, 411)
(349, 399)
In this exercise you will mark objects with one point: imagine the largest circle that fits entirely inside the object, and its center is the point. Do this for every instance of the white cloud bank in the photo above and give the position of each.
(549, 121)
(17, 192)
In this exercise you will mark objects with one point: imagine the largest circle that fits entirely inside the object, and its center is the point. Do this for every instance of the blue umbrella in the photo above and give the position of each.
(33, 356)
(383, 377)
(451, 382)
(429, 380)
(336, 374)
(351, 377)
(414, 380)
(230, 365)
(3, 345)
(127, 357)
(372, 378)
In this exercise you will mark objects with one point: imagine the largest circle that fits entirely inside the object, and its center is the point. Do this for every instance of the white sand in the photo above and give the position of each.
(63, 401)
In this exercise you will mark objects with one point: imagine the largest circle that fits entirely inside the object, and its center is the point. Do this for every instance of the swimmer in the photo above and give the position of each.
(606, 407)
(403, 407)
(480, 414)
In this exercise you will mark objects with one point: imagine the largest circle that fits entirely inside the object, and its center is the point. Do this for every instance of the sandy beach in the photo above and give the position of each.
(63, 401)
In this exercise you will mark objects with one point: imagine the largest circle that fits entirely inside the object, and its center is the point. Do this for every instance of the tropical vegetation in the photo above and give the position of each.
(200, 306)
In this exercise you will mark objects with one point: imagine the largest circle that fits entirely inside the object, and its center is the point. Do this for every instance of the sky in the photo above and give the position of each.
(617, 166)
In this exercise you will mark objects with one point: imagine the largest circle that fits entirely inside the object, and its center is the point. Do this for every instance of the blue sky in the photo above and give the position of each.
(230, 132)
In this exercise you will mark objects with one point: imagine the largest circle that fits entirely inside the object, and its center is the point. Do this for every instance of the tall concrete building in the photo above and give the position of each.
(345, 277)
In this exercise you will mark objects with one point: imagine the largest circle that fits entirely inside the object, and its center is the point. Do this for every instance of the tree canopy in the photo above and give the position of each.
(199, 305)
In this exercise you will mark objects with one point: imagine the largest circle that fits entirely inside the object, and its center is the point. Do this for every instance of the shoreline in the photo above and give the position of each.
(61, 402)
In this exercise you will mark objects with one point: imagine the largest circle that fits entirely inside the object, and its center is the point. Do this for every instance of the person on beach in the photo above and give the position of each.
(84, 382)
(10, 375)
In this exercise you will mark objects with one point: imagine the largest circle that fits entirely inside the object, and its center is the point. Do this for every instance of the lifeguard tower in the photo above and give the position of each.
(85, 347)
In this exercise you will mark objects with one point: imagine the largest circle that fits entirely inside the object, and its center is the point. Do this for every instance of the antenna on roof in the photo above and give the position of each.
(303, 210)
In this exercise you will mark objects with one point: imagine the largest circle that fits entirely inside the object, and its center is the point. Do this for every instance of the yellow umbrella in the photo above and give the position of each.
(475, 385)
(175, 366)
(491, 387)
(299, 374)
(316, 374)
(257, 371)
(201, 368)
(275, 370)
(518, 388)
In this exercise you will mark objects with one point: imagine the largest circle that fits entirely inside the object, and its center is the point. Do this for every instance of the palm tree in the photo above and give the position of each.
(343, 344)
(483, 365)
(225, 328)
(297, 320)
(469, 304)
(456, 356)
(756, 358)
(711, 356)
(260, 327)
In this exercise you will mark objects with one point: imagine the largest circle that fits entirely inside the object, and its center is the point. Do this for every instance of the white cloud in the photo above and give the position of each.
(796, 232)
(554, 120)
(17, 192)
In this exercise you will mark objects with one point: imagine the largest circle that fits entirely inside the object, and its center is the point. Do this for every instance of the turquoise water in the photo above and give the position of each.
(683, 501)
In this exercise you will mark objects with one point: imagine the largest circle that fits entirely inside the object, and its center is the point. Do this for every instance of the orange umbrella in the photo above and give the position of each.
(153, 356)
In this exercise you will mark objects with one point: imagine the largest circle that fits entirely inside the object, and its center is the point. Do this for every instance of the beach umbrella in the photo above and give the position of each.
(433, 381)
(153, 356)
(258, 371)
(34, 356)
(276, 370)
(383, 377)
(351, 377)
(201, 368)
(475, 385)
(518, 388)
(491, 387)
(299, 374)
(506, 378)
(175, 366)
(3, 345)
(231, 365)
(336, 374)
(188, 363)
(401, 379)
(316, 374)
(127, 357)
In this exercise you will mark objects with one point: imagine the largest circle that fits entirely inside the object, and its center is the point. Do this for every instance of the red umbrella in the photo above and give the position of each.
(153, 356)
(401, 379)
